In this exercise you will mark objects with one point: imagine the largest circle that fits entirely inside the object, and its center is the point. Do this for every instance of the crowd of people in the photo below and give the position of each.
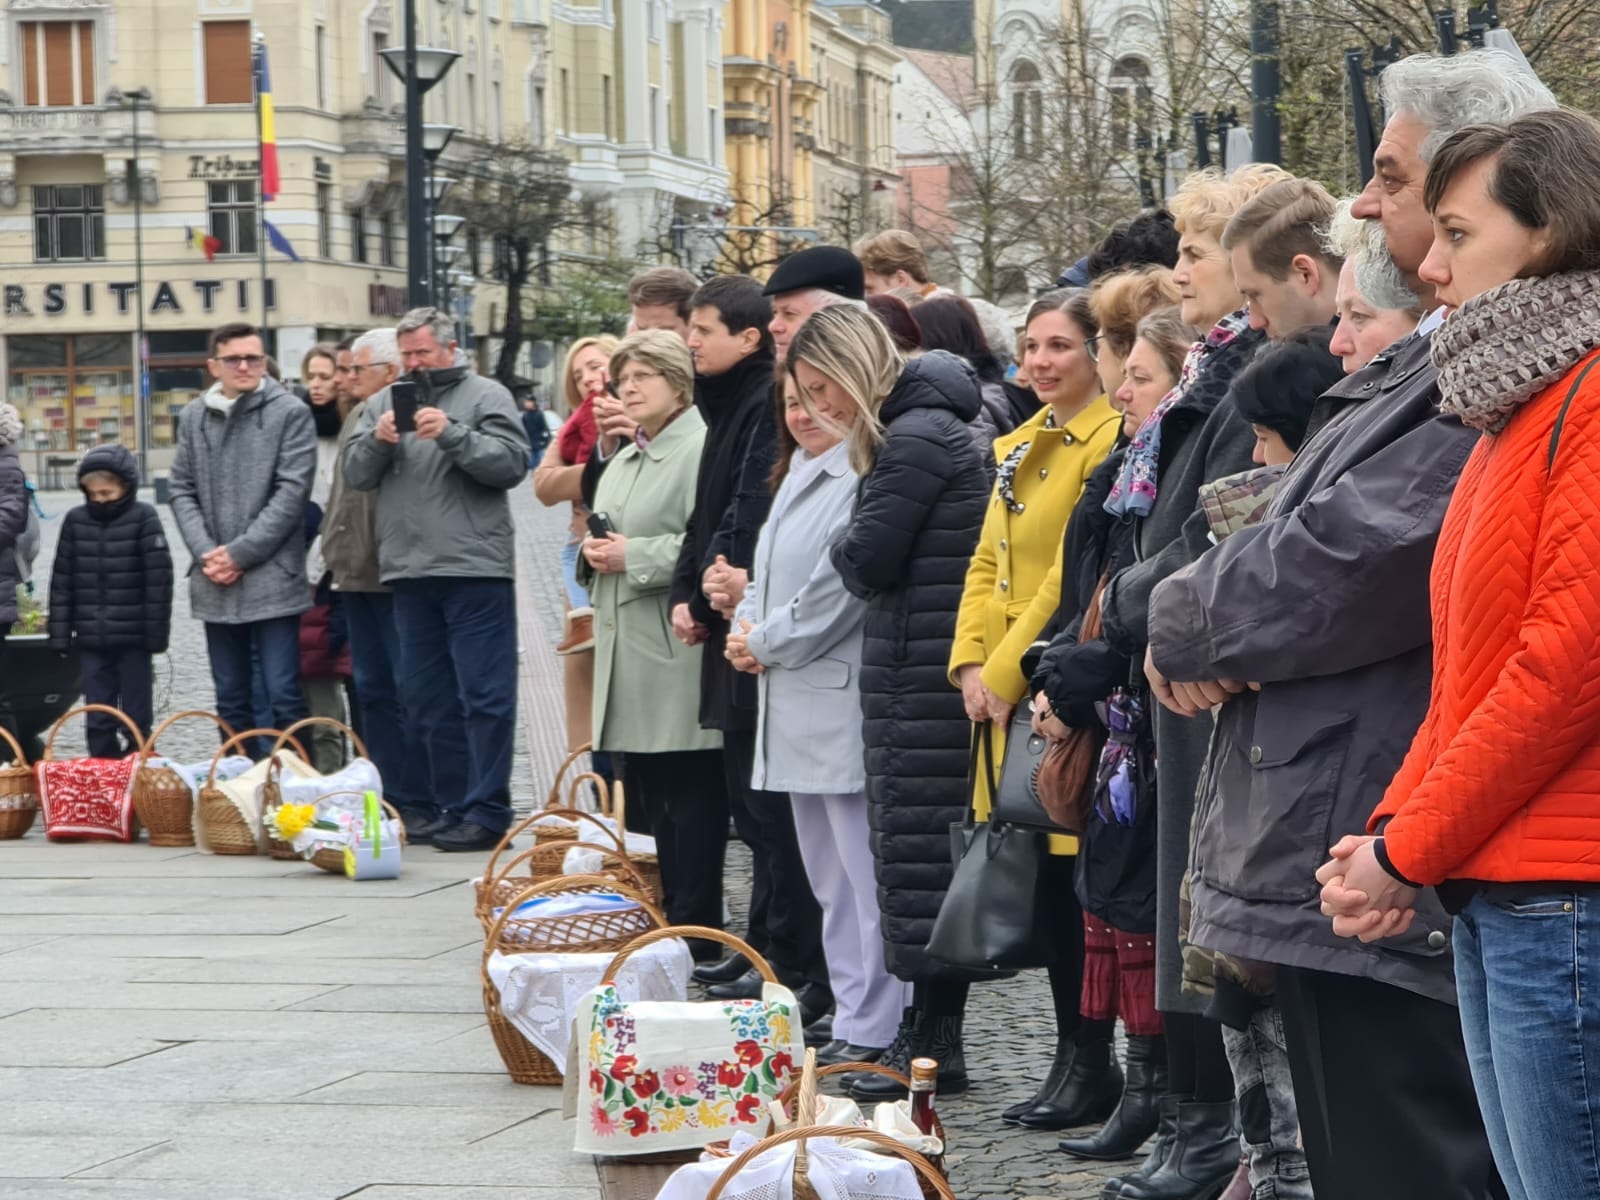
(1276, 526)
(1277, 517)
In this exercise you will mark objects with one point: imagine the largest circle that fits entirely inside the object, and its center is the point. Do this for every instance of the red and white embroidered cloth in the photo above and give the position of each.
(87, 799)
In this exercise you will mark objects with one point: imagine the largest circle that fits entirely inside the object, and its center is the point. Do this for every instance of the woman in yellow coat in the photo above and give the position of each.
(1013, 589)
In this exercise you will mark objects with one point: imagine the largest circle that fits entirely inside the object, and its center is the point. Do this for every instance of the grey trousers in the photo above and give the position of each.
(1268, 1118)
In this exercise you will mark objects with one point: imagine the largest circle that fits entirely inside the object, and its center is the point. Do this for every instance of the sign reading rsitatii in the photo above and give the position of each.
(199, 295)
(224, 166)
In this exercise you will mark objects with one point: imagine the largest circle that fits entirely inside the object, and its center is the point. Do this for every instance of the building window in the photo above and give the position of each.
(233, 215)
(69, 223)
(605, 108)
(655, 115)
(324, 220)
(472, 102)
(73, 393)
(321, 50)
(496, 128)
(474, 251)
(716, 138)
(1027, 111)
(1132, 102)
(536, 118)
(358, 235)
(565, 99)
(379, 68)
(229, 79)
(57, 63)
(386, 239)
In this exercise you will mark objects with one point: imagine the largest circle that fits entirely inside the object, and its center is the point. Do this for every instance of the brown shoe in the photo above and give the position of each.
(580, 632)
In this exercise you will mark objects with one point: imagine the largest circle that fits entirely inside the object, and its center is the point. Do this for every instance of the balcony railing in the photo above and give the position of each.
(72, 130)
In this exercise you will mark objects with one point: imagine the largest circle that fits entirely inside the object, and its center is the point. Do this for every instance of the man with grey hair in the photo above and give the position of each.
(1310, 635)
(808, 282)
(447, 548)
(350, 553)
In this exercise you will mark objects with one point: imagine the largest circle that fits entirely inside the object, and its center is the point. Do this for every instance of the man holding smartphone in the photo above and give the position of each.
(442, 453)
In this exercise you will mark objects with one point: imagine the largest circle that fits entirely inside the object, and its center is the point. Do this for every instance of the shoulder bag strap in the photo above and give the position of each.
(1561, 417)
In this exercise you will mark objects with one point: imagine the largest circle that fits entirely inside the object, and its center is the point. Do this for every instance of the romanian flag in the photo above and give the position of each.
(203, 241)
(264, 118)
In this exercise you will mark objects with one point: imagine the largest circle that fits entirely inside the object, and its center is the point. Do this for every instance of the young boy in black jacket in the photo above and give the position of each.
(111, 587)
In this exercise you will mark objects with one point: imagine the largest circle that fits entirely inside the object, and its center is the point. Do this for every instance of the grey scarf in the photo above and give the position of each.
(1501, 349)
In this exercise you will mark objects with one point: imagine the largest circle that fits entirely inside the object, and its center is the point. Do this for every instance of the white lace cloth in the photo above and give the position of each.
(836, 1172)
(539, 993)
(633, 843)
(237, 778)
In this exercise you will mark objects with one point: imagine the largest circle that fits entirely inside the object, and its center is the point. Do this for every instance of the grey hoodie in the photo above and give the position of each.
(242, 480)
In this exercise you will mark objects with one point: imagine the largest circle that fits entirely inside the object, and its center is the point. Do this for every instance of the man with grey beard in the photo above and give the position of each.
(1310, 635)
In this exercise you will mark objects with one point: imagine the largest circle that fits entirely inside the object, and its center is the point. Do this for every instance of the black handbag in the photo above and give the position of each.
(994, 916)
(1016, 799)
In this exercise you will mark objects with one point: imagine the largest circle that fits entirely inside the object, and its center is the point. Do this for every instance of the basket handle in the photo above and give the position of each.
(554, 886)
(285, 737)
(50, 743)
(788, 1093)
(554, 798)
(505, 841)
(704, 932)
(577, 814)
(150, 746)
(237, 739)
(635, 879)
(926, 1169)
(601, 786)
(391, 810)
(22, 759)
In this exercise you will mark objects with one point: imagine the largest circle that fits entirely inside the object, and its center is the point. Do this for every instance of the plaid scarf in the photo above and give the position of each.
(1134, 492)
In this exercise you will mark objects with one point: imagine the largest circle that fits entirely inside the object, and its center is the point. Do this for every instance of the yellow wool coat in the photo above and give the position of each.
(1014, 579)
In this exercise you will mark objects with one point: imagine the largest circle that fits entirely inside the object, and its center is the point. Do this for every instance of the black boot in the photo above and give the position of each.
(1139, 1113)
(938, 1038)
(1088, 1094)
(1203, 1159)
(1160, 1151)
(1059, 1066)
(898, 1055)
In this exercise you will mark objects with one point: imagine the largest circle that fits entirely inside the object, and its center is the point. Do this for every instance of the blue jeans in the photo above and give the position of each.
(1528, 978)
(577, 594)
(458, 655)
(257, 654)
(375, 669)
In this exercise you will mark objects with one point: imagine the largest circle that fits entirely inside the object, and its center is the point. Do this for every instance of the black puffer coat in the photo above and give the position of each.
(111, 584)
(917, 520)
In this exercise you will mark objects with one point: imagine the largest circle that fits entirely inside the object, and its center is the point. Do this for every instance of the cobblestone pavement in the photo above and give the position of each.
(1010, 1034)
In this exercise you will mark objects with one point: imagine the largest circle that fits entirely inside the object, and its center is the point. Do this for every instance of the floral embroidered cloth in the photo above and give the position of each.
(665, 1076)
(87, 799)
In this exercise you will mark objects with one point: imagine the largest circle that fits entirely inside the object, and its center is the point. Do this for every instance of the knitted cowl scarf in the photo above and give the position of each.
(10, 425)
(1501, 349)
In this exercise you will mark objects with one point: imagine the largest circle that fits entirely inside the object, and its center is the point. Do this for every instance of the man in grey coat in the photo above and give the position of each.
(447, 546)
(247, 452)
(1312, 633)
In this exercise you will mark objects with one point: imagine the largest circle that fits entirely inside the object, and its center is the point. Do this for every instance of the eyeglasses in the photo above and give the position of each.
(1092, 345)
(635, 378)
(236, 361)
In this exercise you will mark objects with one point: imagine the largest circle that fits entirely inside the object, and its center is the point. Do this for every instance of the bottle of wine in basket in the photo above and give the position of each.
(924, 1085)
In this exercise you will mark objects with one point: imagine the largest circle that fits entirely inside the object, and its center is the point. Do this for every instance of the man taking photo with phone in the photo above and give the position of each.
(447, 546)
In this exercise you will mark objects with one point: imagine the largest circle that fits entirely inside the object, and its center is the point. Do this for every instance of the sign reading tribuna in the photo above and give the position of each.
(224, 166)
(90, 299)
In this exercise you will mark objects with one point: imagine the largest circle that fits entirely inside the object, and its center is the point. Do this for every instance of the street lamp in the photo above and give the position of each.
(435, 138)
(419, 68)
(135, 100)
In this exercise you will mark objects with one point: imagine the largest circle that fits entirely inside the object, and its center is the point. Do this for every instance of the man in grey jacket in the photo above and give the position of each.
(247, 451)
(1312, 633)
(447, 546)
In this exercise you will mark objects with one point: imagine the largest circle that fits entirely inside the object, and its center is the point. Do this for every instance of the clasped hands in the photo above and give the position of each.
(982, 703)
(738, 651)
(1190, 699)
(1364, 900)
(218, 566)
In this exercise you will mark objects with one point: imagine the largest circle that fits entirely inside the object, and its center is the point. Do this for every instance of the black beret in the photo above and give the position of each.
(831, 268)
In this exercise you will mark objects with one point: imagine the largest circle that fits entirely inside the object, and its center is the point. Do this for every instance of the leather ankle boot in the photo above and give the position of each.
(1087, 1095)
(938, 1038)
(1139, 1113)
(898, 1055)
(1203, 1159)
(1066, 1048)
(1159, 1152)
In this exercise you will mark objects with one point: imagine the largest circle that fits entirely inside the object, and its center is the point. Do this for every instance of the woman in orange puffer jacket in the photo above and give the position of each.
(1498, 802)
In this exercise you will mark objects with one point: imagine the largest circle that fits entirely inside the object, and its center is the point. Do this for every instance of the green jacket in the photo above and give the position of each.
(646, 682)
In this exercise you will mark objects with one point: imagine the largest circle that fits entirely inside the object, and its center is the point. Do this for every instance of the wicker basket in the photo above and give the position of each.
(579, 933)
(272, 792)
(559, 786)
(134, 823)
(162, 797)
(648, 865)
(226, 828)
(19, 793)
(934, 1185)
(525, 1062)
(331, 859)
(544, 863)
(558, 833)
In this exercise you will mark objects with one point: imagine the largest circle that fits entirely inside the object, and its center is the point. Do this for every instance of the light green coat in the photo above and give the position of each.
(646, 682)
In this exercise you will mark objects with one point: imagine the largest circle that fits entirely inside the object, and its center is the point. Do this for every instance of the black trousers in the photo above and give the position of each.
(1386, 1103)
(785, 919)
(121, 679)
(8, 717)
(681, 796)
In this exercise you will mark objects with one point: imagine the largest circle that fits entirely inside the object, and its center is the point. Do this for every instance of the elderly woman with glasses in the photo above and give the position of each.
(647, 683)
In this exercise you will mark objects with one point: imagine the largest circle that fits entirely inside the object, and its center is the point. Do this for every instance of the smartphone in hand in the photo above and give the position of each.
(600, 525)
(403, 400)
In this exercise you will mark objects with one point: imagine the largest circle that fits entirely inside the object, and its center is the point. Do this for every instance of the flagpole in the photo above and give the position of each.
(261, 177)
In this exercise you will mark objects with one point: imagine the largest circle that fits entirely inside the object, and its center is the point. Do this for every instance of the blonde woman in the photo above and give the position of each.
(647, 682)
(905, 551)
(1118, 303)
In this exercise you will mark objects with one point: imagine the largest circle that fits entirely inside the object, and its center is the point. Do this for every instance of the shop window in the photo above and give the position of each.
(69, 222)
(233, 215)
(229, 77)
(73, 393)
(57, 63)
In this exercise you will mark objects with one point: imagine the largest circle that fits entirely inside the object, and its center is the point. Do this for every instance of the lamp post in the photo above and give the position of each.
(445, 227)
(434, 140)
(136, 99)
(419, 68)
